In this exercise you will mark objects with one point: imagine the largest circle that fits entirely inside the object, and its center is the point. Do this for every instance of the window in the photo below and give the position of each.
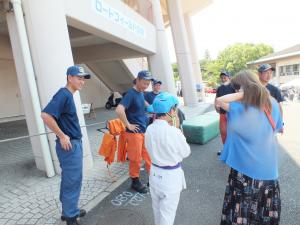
(288, 70)
(281, 71)
(296, 69)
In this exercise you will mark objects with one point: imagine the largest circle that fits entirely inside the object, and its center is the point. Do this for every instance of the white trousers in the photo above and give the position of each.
(164, 206)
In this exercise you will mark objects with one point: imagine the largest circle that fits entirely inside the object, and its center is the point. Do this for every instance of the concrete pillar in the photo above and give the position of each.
(28, 88)
(160, 63)
(194, 55)
(52, 55)
(184, 61)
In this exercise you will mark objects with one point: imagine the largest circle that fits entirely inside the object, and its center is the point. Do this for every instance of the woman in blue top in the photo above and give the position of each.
(252, 195)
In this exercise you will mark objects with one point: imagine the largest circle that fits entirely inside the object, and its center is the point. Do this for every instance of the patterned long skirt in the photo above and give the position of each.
(250, 202)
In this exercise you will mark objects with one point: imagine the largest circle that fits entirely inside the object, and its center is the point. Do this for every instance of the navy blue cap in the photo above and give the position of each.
(156, 82)
(78, 71)
(145, 75)
(225, 73)
(265, 67)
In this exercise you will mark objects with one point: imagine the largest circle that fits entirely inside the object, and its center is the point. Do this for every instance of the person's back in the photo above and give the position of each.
(167, 147)
(161, 136)
(252, 191)
(251, 143)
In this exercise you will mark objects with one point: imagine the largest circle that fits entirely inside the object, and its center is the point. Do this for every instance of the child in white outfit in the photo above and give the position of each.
(167, 147)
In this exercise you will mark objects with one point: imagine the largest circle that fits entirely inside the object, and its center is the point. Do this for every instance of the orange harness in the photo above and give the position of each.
(108, 146)
(130, 144)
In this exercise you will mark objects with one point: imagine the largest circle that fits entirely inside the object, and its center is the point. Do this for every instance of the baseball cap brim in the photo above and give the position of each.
(264, 70)
(87, 76)
(145, 78)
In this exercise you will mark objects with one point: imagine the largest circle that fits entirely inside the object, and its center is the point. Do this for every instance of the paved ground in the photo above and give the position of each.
(27, 197)
(206, 177)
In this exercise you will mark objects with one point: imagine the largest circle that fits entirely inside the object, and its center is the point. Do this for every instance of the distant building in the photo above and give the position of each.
(286, 63)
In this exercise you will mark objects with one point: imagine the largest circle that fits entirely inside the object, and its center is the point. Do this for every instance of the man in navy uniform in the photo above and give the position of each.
(265, 73)
(224, 89)
(61, 117)
(131, 110)
(150, 96)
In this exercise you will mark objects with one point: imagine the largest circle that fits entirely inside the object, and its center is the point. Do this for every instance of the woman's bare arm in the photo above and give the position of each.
(224, 101)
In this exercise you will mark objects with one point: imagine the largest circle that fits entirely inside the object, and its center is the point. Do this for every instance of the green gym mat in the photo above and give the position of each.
(202, 128)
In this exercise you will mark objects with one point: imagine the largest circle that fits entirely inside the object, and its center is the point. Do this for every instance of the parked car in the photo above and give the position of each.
(210, 90)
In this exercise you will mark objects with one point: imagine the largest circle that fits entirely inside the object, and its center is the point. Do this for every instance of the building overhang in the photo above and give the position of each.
(274, 58)
(190, 7)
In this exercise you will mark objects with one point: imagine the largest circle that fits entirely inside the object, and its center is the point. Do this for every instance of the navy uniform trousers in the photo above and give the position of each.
(71, 177)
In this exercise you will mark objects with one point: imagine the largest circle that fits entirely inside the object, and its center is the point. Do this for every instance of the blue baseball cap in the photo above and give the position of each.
(225, 73)
(265, 67)
(145, 75)
(154, 82)
(78, 71)
(163, 103)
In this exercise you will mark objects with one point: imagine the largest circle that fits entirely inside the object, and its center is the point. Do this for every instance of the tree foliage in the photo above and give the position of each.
(233, 59)
(175, 71)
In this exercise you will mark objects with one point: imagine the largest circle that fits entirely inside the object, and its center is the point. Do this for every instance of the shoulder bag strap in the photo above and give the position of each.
(270, 118)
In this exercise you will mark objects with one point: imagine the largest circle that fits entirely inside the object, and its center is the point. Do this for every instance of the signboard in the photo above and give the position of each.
(104, 9)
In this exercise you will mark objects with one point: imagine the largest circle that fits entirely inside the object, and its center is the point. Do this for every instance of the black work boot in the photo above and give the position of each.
(82, 213)
(72, 221)
(138, 186)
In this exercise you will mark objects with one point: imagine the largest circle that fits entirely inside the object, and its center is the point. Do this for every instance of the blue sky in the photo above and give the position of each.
(225, 22)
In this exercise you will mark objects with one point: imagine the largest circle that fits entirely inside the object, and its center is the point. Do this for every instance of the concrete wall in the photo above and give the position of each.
(95, 92)
(288, 61)
(10, 97)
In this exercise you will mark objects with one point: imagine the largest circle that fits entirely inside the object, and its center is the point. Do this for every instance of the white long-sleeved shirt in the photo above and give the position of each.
(166, 144)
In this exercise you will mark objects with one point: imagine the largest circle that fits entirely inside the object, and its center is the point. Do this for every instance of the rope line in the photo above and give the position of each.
(36, 135)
